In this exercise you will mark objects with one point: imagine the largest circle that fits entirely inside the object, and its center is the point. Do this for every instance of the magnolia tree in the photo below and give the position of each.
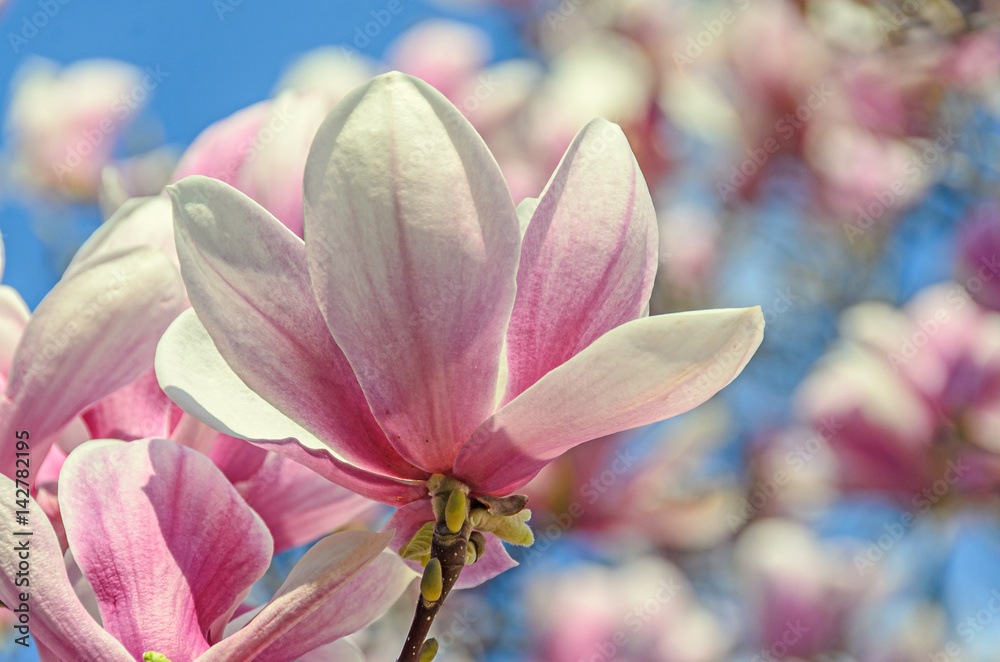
(204, 388)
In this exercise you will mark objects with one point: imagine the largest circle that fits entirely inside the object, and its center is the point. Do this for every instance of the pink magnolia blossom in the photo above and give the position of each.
(167, 574)
(415, 332)
(81, 368)
(907, 389)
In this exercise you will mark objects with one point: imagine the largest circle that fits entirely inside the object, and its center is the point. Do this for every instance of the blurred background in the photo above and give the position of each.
(834, 161)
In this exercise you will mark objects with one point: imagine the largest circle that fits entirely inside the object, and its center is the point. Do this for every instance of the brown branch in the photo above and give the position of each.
(450, 549)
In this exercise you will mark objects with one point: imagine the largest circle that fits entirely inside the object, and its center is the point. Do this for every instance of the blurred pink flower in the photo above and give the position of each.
(394, 339)
(167, 574)
(907, 387)
(262, 150)
(444, 54)
(641, 611)
(64, 124)
(799, 593)
(979, 255)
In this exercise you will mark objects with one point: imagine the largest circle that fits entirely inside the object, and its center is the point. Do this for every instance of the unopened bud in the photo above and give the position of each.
(428, 651)
(455, 511)
(432, 583)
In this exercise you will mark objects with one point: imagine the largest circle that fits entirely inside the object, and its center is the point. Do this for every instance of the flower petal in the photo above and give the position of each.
(342, 584)
(137, 411)
(341, 650)
(639, 373)
(413, 249)
(272, 175)
(59, 622)
(196, 377)
(168, 545)
(588, 258)
(297, 504)
(408, 520)
(138, 222)
(14, 315)
(247, 279)
(239, 460)
(93, 334)
(220, 150)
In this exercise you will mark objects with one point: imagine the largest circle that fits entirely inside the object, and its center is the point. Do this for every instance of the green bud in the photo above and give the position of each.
(428, 651)
(432, 583)
(419, 546)
(455, 511)
(154, 657)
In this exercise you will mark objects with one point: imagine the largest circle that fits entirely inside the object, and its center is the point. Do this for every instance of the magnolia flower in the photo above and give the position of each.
(167, 574)
(415, 336)
(905, 391)
(81, 368)
(64, 124)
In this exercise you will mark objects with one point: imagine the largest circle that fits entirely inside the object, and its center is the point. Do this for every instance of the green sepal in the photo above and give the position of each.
(509, 528)
(419, 546)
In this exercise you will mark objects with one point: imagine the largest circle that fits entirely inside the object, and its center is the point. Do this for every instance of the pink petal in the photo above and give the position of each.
(93, 334)
(444, 53)
(588, 258)
(14, 315)
(297, 504)
(196, 377)
(413, 248)
(273, 174)
(408, 520)
(58, 621)
(137, 411)
(639, 373)
(239, 460)
(138, 222)
(371, 486)
(189, 432)
(341, 650)
(220, 150)
(166, 542)
(342, 584)
(247, 279)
